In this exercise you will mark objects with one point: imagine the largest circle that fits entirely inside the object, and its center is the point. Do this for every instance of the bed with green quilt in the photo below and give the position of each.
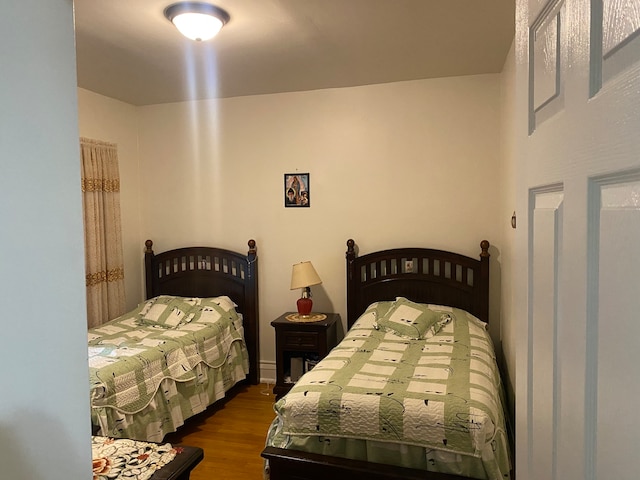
(175, 354)
(412, 391)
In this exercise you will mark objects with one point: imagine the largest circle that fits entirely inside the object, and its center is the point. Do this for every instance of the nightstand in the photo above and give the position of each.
(299, 345)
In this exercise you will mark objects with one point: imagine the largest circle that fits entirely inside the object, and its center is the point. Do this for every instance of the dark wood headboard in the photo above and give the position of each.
(420, 274)
(210, 272)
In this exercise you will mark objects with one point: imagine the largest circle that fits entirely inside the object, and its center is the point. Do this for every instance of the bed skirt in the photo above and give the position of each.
(174, 401)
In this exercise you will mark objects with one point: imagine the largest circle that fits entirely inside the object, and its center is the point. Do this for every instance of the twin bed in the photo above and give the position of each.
(412, 391)
(194, 338)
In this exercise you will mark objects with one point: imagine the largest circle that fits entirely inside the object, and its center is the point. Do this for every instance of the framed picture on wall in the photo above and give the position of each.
(296, 190)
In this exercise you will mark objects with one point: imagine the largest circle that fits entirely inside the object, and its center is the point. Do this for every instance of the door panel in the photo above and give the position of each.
(616, 44)
(547, 60)
(613, 329)
(546, 247)
(578, 289)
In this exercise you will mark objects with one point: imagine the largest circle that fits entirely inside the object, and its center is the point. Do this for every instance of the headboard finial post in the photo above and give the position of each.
(149, 269)
(483, 292)
(251, 311)
(350, 246)
(351, 279)
(484, 245)
(351, 256)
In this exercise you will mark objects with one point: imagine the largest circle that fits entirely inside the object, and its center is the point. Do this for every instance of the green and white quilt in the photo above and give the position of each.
(416, 375)
(163, 362)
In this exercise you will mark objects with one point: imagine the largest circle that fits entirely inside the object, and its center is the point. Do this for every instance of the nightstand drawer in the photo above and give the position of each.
(301, 340)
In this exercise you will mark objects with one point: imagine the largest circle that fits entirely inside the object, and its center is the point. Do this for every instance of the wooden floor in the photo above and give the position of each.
(232, 434)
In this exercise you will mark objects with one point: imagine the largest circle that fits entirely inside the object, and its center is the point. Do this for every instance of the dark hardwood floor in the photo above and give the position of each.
(232, 434)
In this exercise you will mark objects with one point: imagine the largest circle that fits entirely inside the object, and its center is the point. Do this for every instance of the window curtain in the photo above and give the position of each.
(104, 262)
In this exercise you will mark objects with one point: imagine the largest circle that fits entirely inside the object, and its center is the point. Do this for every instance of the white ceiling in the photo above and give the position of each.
(128, 50)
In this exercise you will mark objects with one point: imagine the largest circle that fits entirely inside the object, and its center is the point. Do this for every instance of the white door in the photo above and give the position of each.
(578, 239)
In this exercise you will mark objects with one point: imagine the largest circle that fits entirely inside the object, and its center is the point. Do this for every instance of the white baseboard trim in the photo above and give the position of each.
(268, 372)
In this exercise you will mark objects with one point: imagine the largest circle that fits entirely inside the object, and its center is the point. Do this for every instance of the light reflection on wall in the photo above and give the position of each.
(201, 80)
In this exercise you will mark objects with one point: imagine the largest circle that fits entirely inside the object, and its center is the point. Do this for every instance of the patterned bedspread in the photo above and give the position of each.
(166, 341)
(441, 391)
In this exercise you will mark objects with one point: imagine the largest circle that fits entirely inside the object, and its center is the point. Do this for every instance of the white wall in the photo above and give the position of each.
(411, 163)
(44, 408)
(109, 120)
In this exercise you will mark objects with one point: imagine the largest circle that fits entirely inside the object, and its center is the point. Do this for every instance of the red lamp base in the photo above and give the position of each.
(304, 306)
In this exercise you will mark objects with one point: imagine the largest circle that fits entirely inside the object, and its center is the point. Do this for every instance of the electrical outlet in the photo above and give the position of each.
(408, 266)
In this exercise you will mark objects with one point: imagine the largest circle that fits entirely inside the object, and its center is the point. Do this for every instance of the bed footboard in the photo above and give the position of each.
(295, 465)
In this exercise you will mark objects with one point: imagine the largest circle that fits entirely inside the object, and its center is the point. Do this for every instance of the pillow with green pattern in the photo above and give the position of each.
(212, 309)
(408, 319)
(373, 312)
(222, 301)
(167, 311)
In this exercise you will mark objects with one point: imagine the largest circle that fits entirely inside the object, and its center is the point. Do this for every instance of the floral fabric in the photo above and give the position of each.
(119, 459)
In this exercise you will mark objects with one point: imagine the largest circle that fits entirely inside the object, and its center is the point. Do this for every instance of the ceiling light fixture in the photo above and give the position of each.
(195, 20)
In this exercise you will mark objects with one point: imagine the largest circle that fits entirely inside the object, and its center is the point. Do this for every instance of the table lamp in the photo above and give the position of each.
(304, 276)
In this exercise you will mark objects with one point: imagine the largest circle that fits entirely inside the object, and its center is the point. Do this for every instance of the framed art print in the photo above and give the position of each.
(296, 190)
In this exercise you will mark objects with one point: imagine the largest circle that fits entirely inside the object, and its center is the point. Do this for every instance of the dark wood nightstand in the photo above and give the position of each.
(299, 345)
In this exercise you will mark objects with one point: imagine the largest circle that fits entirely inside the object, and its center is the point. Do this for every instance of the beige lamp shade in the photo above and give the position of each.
(304, 275)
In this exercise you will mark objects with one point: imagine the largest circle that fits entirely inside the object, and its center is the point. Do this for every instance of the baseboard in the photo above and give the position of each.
(268, 372)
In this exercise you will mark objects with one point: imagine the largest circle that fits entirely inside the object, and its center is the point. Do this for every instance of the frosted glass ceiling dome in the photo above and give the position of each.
(195, 20)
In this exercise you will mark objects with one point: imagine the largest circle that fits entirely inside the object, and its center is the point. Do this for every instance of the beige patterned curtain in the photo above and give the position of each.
(102, 231)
